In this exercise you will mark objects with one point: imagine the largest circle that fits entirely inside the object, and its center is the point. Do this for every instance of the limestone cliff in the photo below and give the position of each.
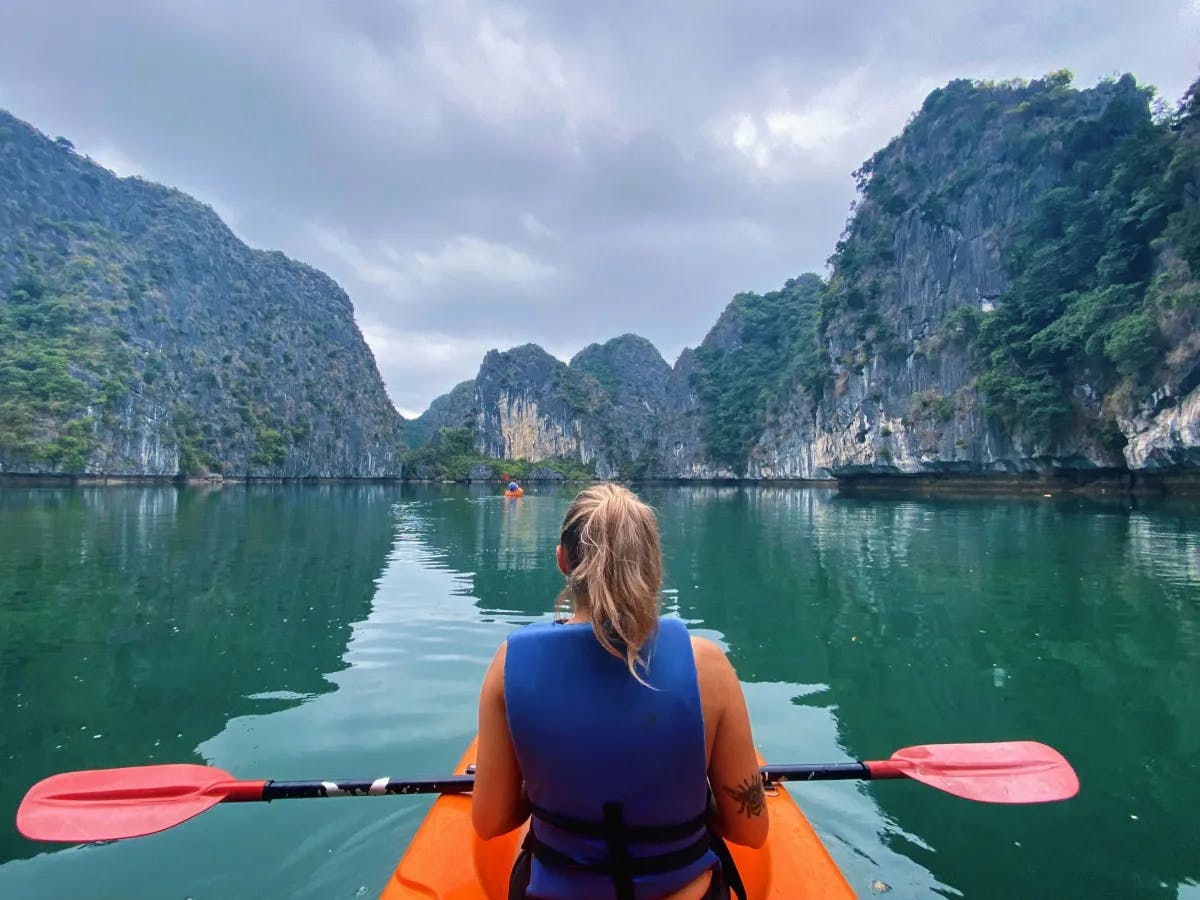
(453, 410)
(529, 405)
(1017, 291)
(634, 378)
(139, 336)
(680, 448)
(602, 411)
(761, 345)
(961, 333)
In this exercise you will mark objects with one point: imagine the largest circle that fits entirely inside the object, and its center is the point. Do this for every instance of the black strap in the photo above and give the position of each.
(647, 834)
(618, 850)
(518, 878)
(732, 876)
(638, 865)
(618, 835)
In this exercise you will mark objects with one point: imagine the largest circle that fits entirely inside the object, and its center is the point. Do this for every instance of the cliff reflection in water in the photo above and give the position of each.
(137, 621)
(505, 548)
(908, 622)
(941, 621)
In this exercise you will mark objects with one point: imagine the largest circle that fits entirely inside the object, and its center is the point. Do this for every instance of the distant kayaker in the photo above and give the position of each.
(609, 726)
(514, 490)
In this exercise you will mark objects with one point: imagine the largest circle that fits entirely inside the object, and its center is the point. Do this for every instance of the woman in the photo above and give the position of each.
(610, 727)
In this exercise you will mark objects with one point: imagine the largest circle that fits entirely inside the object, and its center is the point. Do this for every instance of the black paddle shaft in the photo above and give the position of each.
(293, 790)
(461, 784)
(854, 771)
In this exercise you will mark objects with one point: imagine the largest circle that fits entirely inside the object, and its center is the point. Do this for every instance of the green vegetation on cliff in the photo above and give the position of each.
(1091, 291)
(139, 336)
(450, 455)
(1102, 246)
(453, 410)
(763, 343)
(63, 363)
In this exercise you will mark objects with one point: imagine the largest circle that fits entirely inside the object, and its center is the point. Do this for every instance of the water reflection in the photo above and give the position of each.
(944, 621)
(505, 548)
(137, 621)
(736, 565)
(990, 620)
(342, 631)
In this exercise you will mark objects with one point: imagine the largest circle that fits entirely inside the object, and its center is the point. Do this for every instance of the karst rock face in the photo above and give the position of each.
(1015, 293)
(603, 410)
(146, 339)
(929, 256)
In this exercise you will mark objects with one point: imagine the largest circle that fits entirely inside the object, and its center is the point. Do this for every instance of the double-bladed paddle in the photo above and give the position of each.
(112, 804)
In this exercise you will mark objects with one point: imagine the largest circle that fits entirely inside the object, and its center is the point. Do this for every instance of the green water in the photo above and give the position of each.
(342, 631)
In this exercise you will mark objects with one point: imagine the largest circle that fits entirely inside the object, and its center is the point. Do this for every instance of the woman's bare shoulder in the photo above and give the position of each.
(493, 679)
(702, 646)
(711, 661)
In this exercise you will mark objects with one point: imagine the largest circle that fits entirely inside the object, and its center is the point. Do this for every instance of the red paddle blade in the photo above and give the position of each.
(111, 804)
(1001, 772)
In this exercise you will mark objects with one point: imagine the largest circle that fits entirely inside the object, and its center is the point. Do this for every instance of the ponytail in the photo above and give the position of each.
(615, 569)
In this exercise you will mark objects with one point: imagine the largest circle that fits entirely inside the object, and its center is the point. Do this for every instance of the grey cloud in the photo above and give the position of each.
(585, 156)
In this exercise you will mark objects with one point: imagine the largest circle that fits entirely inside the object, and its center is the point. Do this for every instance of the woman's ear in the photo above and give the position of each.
(560, 555)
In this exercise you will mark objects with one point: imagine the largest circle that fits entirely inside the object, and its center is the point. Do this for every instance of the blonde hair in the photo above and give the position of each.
(615, 569)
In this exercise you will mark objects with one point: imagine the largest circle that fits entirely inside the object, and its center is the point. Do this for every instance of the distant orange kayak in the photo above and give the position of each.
(446, 860)
(517, 493)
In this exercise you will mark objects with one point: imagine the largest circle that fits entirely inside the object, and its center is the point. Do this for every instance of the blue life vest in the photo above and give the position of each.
(616, 771)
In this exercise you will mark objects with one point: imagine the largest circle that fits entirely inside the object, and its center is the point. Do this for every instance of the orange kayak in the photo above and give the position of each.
(517, 493)
(793, 865)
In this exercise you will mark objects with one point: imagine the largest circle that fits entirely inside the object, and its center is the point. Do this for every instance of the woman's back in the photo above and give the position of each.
(617, 755)
(588, 736)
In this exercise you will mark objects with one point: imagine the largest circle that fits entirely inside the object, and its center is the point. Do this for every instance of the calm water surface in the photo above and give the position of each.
(342, 631)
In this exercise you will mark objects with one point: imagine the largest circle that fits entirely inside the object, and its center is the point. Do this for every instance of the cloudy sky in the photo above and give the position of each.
(484, 174)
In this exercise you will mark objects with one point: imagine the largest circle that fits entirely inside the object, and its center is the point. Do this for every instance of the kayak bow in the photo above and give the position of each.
(792, 865)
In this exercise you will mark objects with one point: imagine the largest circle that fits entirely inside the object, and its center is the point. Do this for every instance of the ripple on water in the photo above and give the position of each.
(279, 695)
